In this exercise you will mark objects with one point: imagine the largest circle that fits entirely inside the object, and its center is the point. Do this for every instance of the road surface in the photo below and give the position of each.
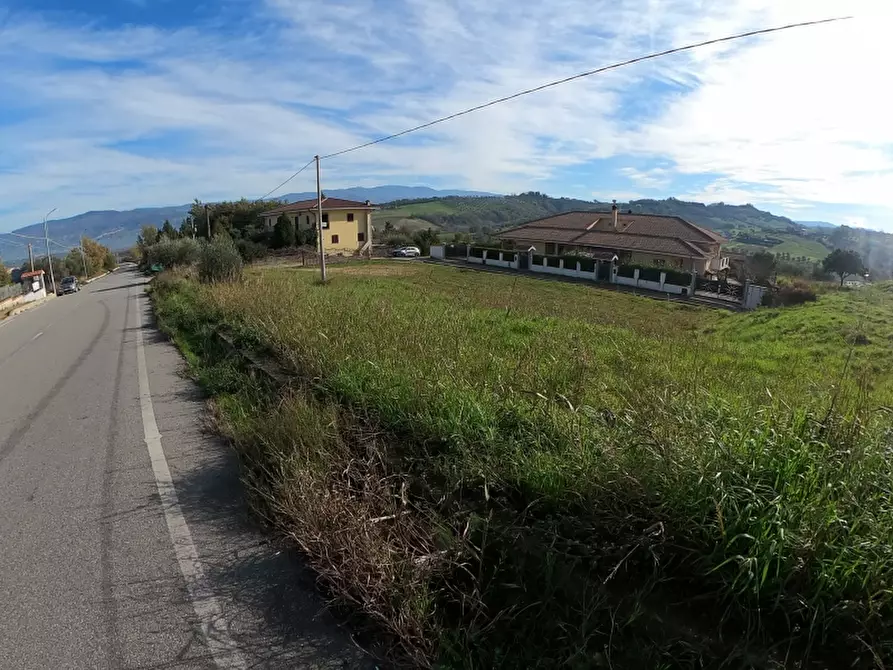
(124, 539)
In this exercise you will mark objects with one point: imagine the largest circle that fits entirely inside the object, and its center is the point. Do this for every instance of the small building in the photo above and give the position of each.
(640, 239)
(346, 224)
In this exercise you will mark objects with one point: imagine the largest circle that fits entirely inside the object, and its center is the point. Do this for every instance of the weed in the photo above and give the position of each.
(610, 481)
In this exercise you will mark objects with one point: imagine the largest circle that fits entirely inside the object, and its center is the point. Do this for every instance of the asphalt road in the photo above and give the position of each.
(124, 538)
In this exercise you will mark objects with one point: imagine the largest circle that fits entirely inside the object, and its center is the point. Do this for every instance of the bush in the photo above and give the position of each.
(627, 271)
(163, 252)
(553, 261)
(251, 251)
(678, 278)
(792, 293)
(538, 259)
(650, 274)
(220, 261)
(187, 251)
(173, 253)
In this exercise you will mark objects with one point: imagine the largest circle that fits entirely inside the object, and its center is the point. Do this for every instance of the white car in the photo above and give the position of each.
(408, 252)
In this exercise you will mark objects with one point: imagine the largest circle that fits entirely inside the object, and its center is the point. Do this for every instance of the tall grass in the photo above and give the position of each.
(630, 481)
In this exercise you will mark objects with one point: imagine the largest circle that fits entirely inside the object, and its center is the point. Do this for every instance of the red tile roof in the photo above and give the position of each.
(32, 273)
(311, 205)
(669, 235)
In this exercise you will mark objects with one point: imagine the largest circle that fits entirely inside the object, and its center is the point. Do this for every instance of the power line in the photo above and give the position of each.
(581, 75)
(265, 195)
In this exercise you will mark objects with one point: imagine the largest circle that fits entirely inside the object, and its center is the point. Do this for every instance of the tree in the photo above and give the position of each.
(284, 234)
(760, 266)
(843, 263)
(148, 236)
(168, 231)
(187, 227)
(5, 277)
(424, 239)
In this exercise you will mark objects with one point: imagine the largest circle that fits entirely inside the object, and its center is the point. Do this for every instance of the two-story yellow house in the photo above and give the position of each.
(346, 224)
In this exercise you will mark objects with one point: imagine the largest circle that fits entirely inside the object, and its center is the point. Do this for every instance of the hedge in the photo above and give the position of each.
(554, 261)
(678, 278)
(537, 259)
(627, 271)
(650, 274)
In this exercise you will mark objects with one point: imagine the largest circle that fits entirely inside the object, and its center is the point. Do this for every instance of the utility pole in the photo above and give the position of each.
(208, 219)
(322, 248)
(84, 259)
(31, 256)
(46, 236)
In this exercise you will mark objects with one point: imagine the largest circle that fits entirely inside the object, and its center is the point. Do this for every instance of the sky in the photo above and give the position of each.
(118, 104)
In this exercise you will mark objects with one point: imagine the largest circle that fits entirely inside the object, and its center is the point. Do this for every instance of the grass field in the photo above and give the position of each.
(404, 216)
(799, 246)
(507, 472)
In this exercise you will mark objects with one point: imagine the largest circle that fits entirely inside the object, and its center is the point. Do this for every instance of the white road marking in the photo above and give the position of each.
(36, 336)
(214, 626)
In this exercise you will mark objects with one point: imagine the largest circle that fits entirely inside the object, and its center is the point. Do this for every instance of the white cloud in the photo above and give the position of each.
(136, 115)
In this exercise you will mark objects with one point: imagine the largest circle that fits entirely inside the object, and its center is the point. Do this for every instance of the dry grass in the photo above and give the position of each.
(589, 471)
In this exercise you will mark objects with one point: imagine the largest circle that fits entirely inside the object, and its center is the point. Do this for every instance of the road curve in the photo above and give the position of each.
(105, 560)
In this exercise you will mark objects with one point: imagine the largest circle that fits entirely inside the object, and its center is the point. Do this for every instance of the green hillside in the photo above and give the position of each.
(747, 228)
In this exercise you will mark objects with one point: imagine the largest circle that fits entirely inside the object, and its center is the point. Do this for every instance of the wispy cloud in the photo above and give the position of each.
(103, 114)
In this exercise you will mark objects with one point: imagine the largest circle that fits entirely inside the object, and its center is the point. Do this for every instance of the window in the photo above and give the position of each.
(361, 237)
(550, 248)
(659, 262)
(350, 216)
(325, 220)
(334, 239)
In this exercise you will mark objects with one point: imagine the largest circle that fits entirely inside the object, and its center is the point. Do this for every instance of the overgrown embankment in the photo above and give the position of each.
(511, 473)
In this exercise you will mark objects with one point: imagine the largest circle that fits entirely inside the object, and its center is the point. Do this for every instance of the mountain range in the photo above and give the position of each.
(119, 229)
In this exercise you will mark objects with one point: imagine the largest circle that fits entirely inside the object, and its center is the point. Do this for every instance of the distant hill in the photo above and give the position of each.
(816, 224)
(417, 207)
(119, 229)
(381, 194)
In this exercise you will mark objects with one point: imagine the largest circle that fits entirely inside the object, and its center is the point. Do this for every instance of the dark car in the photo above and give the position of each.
(69, 285)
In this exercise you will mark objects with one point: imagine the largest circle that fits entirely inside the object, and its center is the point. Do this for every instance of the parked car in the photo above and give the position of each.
(407, 252)
(69, 285)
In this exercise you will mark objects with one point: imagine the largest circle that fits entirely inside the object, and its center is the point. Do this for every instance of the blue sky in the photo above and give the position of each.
(126, 103)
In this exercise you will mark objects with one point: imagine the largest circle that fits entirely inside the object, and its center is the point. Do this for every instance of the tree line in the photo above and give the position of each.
(85, 261)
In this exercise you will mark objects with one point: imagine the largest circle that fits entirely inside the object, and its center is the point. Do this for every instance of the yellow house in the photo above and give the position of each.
(346, 224)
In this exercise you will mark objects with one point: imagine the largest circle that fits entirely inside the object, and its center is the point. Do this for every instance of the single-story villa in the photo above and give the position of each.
(641, 239)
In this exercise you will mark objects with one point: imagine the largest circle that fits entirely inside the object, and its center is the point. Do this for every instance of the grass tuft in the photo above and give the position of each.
(568, 477)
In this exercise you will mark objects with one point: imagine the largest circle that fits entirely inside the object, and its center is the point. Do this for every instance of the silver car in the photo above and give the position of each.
(408, 252)
(69, 285)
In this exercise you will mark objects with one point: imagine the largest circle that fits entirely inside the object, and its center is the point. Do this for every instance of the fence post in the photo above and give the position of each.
(636, 277)
(692, 287)
(663, 280)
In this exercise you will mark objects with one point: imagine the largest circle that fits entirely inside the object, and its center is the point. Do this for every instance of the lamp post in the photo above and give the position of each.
(46, 236)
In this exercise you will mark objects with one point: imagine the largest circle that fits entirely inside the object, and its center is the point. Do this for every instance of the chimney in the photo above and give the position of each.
(614, 212)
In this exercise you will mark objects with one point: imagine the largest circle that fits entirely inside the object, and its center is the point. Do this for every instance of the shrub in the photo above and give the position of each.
(650, 274)
(251, 251)
(553, 261)
(678, 278)
(163, 252)
(284, 234)
(792, 293)
(220, 261)
(538, 259)
(187, 251)
(626, 271)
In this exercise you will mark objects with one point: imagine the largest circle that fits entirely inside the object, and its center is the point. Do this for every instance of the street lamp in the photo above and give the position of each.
(46, 236)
